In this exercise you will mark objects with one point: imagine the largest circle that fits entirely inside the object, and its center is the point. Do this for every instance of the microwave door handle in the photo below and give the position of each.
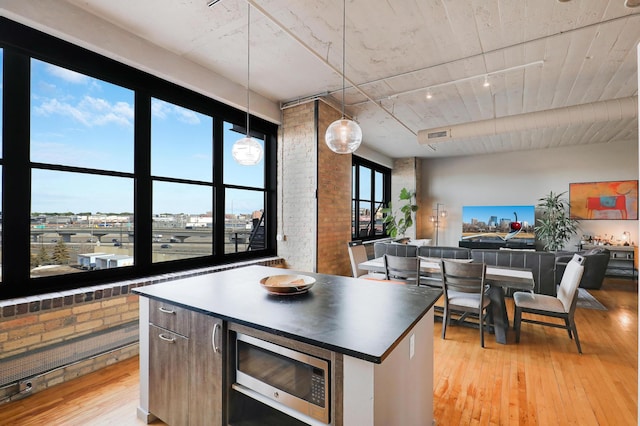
(214, 338)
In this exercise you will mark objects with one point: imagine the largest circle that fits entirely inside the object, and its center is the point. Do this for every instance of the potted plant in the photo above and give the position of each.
(398, 226)
(555, 227)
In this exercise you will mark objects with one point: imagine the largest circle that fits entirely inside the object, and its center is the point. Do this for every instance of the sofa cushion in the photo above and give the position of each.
(382, 248)
(443, 252)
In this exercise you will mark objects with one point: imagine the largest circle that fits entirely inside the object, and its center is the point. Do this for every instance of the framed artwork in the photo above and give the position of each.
(604, 200)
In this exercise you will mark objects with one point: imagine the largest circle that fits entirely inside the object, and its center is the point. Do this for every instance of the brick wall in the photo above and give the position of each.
(297, 180)
(334, 201)
(29, 324)
(39, 328)
(37, 322)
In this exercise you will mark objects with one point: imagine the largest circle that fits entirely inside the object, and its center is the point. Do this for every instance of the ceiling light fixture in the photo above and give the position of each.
(429, 95)
(212, 2)
(486, 81)
(343, 136)
(247, 151)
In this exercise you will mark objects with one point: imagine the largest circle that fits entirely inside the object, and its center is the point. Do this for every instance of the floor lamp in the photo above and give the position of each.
(439, 213)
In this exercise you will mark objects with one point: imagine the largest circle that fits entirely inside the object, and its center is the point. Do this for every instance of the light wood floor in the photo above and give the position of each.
(541, 381)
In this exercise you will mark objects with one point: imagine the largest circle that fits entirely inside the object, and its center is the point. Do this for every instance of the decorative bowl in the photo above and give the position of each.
(287, 284)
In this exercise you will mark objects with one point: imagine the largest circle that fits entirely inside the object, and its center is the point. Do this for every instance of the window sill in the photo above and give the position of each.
(11, 308)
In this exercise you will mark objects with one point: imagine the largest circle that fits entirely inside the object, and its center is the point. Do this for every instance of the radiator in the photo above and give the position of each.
(18, 367)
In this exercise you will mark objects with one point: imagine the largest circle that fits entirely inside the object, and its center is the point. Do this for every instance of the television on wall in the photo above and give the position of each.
(508, 224)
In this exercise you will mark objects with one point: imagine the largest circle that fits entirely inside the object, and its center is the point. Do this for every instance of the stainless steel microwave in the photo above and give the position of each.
(291, 378)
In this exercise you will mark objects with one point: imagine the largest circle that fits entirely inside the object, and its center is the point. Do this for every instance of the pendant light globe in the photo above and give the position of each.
(343, 136)
(247, 151)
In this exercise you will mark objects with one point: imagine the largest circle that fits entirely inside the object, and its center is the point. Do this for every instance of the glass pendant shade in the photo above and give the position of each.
(343, 136)
(247, 151)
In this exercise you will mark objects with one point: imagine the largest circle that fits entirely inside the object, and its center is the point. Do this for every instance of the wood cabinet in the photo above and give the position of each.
(185, 365)
(205, 385)
(168, 375)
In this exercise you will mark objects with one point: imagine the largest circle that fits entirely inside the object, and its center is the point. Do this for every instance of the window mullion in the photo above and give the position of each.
(16, 181)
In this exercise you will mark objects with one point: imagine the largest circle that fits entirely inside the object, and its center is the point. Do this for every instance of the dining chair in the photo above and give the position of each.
(464, 288)
(562, 306)
(401, 268)
(357, 255)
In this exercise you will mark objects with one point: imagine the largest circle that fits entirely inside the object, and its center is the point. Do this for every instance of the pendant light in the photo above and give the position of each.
(343, 136)
(247, 151)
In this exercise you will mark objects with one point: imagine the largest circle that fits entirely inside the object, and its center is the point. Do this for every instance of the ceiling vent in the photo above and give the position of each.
(435, 136)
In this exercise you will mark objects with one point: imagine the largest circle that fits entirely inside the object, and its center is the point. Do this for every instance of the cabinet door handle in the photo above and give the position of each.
(166, 338)
(214, 338)
(166, 311)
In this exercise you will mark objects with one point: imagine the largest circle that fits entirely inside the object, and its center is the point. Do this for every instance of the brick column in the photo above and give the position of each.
(314, 193)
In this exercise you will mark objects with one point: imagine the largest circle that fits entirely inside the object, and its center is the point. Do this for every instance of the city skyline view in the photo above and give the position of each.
(525, 213)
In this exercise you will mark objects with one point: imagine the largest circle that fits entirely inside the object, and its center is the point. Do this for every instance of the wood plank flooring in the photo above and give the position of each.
(540, 381)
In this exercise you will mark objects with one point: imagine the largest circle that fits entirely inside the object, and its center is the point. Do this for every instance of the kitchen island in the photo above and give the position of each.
(376, 337)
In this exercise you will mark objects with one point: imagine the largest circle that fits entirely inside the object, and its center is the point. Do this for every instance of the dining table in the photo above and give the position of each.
(498, 278)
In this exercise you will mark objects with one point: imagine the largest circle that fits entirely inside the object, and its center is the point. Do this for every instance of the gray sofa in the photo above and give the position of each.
(396, 249)
(542, 264)
(595, 266)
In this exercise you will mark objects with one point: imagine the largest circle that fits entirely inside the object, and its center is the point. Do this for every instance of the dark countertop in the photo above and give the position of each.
(356, 317)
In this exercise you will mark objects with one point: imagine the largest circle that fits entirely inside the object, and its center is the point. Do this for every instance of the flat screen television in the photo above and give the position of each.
(498, 223)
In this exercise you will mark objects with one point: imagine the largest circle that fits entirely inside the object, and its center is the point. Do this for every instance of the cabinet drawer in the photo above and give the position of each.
(169, 317)
(168, 376)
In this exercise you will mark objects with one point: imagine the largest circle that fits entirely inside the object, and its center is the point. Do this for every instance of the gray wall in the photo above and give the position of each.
(521, 179)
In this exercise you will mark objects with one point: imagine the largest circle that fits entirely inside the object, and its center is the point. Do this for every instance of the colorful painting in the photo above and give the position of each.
(604, 200)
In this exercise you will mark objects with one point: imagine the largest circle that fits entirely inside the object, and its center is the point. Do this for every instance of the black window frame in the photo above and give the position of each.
(357, 198)
(20, 43)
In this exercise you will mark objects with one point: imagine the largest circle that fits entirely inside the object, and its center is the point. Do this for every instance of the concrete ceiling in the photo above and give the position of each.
(537, 55)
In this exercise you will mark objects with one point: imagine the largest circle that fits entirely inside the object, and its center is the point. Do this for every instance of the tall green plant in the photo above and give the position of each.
(555, 226)
(398, 226)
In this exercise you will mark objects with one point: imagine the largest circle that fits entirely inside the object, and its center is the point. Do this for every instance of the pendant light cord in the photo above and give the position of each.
(248, 60)
(344, 25)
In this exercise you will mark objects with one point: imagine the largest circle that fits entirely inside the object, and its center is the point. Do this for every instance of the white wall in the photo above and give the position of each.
(522, 178)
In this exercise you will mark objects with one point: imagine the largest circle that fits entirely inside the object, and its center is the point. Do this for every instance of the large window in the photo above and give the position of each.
(81, 131)
(117, 174)
(182, 170)
(371, 192)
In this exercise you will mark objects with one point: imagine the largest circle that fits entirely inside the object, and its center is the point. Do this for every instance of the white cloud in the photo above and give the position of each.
(186, 116)
(164, 110)
(160, 109)
(90, 111)
(67, 75)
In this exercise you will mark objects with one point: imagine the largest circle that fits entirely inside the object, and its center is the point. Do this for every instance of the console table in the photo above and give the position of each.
(622, 262)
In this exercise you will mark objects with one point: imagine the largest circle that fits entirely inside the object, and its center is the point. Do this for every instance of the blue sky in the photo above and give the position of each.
(81, 121)
(483, 213)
